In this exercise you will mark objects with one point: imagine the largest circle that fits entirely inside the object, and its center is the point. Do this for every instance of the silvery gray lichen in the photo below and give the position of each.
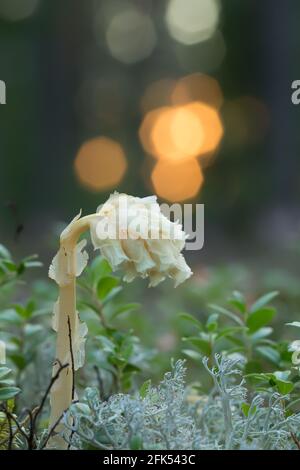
(163, 418)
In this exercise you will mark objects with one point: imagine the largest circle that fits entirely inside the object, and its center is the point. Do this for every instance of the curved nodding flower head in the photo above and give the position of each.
(134, 235)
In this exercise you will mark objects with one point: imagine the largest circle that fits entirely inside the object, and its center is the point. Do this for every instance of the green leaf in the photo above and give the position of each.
(10, 316)
(282, 374)
(6, 382)
(246, 408)
(99, 268)
(25, 312)
(136, 443)
(231, 330)
(8, 392)
(105, 286)
(19, 360)
(112, 294)
(125, 309)
(284, 387)
(126, 351)
(260, 318)
(131, 368)
(280, 379)
(238, 301)
(145, 388)
(4, 372)
(191, 319)
(107, 344)
(20, 268)
(294, 323)
(261, 333)
(202, 344)
(259, 377)
(41, 312)
(117, 360)
(8, 265)
(193, 354)
(237, 341)
(253, 367)
(227, 313)
(269, 353)
(83, 304)
(212, 322)
(4, 253)
(276, 379)
(33, 264)
(31, 329)
(262, 301)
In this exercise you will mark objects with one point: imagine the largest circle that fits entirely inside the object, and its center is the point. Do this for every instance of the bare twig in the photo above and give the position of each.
(296, 440)
(16, 422)
(11, 435)
(33, 417)
(72, 358)
(51, 431)
(73, 370)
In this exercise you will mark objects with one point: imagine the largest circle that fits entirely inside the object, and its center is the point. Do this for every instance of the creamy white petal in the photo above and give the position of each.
(136, 251)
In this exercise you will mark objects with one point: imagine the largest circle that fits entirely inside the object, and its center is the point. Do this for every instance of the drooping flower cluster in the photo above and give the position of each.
(131, 234)
(134, 235)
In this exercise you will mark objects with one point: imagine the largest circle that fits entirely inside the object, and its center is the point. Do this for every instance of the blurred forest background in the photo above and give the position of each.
(188, 99)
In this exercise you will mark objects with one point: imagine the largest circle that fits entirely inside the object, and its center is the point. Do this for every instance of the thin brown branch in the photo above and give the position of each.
(11, 434)
(73, 369)
(31, 437)
(296, 440)
(33, 418)
(51, 431)
(72, 358)
(16, 422)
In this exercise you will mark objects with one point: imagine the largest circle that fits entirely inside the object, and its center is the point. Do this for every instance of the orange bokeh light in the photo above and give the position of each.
(180, 132)
(211, 123)
(177, 181)
(177, 134)
(100, 164)
(197, 87)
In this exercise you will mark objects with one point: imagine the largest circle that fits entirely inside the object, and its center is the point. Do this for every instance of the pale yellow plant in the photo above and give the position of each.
(140, 241)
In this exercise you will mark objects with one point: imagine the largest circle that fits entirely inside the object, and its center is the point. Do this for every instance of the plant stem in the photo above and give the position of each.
(67, 321)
